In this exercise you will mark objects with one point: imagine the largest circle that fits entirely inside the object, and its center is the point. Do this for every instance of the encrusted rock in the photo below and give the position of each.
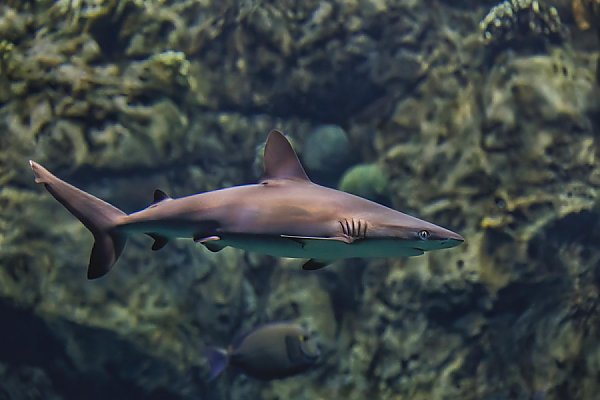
(518, 22)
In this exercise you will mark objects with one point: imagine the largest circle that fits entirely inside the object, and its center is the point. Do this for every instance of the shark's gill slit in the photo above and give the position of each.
(342, 225)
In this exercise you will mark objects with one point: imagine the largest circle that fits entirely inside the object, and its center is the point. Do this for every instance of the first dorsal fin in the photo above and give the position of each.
(159, 196)
(280, 160)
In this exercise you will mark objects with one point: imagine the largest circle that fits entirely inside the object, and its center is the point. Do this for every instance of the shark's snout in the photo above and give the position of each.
(446, 235)
(444, 240)
(454, 242)
(456, 238)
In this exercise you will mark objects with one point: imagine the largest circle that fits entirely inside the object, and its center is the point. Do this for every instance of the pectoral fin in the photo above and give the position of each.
(303, 239)
(312, 264)
(294, 351)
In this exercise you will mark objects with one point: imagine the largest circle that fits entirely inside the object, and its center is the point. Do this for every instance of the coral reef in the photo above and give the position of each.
(587, 16)
(586, 13)
(522, 23)
(123, 96)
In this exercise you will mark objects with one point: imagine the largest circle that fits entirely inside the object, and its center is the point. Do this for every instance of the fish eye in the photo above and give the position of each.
(302, 338)
(424, 235)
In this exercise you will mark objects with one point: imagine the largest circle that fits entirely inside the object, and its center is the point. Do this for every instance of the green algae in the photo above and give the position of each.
(365, 180)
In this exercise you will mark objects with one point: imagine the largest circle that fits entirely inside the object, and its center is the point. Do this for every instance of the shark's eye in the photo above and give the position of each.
(424, 235)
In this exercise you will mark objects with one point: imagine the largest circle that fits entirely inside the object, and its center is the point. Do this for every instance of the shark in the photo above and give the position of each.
(284, 215)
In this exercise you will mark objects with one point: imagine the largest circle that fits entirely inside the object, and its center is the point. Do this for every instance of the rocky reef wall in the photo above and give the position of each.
(491, 136)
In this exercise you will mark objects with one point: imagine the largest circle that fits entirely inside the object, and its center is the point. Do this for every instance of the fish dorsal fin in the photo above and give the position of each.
(159, 196)
(280, 160)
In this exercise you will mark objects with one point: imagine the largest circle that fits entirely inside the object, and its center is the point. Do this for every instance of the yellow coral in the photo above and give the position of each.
(586, 13)
(498, 221)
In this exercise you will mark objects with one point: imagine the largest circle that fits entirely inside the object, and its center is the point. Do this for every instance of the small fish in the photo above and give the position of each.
(271, 351)
(284, 215)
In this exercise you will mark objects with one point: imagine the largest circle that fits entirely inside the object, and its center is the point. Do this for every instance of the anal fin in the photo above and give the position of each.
(313, 264)
(159, 241)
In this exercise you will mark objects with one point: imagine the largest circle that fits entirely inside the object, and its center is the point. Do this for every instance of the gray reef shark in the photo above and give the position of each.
(284, 215)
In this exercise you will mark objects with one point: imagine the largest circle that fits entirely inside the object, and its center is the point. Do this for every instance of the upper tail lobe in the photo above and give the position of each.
(97, 215)
(218, 360)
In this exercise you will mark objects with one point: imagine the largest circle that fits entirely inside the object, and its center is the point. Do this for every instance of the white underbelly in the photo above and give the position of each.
(322, 249)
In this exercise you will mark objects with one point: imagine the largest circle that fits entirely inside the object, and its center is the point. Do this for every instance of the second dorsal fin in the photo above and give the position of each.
(159, 196)
(280, 160)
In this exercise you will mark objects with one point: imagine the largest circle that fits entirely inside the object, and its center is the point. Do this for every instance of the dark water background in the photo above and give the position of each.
(408, 102)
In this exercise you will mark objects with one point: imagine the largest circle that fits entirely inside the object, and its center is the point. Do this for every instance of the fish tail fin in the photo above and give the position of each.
(218, 360)
(97, 215)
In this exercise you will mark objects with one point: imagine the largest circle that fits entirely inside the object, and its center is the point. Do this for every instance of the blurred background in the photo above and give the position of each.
(475, 115)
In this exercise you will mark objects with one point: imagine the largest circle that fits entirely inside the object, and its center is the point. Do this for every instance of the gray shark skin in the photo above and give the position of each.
(284, 215)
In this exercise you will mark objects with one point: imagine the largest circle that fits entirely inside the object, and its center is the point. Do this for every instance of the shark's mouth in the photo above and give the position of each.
(418, 250)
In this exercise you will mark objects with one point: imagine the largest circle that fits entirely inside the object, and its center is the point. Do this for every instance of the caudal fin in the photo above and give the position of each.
(97, 215)
(218, 360)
